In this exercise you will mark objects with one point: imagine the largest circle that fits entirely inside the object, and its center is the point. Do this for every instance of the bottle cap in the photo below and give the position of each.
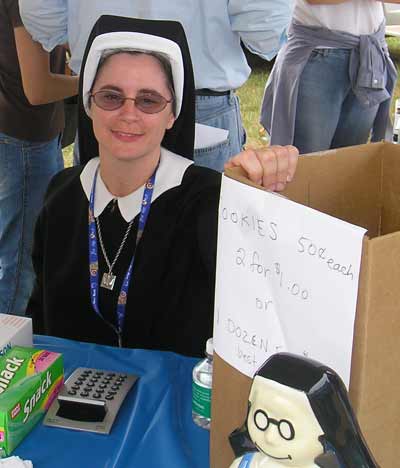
(209, 347)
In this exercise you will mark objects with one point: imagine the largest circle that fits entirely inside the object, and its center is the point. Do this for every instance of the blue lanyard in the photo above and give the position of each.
(94, 259)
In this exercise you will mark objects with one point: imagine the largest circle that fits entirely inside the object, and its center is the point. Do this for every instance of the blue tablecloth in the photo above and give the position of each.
(154, 427)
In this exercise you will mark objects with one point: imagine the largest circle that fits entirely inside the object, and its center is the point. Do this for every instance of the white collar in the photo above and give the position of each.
(169, 175)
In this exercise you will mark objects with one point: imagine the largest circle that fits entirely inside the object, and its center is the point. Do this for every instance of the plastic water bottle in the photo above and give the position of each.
(396, 124)
(201, 388)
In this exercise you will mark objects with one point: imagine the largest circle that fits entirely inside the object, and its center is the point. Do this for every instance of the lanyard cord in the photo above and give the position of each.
(94, 260)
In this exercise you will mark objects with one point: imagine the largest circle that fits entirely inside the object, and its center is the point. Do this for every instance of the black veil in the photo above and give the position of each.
(180, 138)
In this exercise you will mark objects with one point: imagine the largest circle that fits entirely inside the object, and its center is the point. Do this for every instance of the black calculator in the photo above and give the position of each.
(90, 400)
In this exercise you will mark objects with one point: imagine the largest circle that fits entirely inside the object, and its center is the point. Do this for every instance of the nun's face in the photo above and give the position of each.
(282, 424)
(128, 133)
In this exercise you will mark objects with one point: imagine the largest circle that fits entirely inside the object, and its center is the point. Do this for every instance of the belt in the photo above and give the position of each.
(210, 92)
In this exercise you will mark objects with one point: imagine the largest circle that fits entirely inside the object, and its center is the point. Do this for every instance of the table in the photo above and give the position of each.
(153, 429)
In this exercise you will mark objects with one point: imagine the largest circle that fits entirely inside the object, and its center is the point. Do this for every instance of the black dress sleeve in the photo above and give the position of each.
(35, 308)
(35, 304)
(205, 206)
(207, 228)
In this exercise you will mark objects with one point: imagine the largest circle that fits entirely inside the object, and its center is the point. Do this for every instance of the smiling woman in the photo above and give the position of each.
(125, 247)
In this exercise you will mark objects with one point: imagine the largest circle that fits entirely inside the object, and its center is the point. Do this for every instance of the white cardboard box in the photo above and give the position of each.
(15, 330)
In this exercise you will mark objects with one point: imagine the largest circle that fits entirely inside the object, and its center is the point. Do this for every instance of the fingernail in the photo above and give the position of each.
(289, 178)
(280, 186)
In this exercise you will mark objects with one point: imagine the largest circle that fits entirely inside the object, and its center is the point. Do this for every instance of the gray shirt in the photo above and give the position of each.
(371, 72)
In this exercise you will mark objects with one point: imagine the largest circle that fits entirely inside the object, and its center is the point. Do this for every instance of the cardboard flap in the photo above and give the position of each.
(344, 183)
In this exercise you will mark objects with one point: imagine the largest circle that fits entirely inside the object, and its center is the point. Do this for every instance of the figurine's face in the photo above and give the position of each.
(282, 424)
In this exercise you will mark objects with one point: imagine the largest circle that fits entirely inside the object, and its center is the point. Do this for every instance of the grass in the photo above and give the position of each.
(68, 155)
(251, 93)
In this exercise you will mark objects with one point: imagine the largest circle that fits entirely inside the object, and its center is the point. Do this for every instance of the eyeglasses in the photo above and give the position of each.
(285, 427)
(149, 103)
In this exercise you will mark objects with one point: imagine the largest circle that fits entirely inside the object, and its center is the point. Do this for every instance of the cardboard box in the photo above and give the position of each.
(14, 331)
(30, 379)
(361, 185)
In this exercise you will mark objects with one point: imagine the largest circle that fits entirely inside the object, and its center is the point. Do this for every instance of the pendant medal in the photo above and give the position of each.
(108, 281)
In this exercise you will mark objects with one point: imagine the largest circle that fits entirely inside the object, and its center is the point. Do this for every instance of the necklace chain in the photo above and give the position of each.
(111, 266)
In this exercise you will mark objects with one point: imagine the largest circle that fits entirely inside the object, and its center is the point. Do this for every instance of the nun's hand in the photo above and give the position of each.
(272, 167)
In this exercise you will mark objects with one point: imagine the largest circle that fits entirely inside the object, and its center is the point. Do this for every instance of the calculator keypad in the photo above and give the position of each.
(90, 400)
(97, 384)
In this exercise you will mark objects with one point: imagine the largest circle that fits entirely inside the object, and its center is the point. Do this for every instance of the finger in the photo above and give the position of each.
(293, 160)
(286, 158)
(249, 161)
(271, 167)
(282, 161)
(267, 158)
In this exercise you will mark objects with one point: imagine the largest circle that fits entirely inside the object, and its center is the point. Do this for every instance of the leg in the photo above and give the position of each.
(221, 112)
(355, 123)
(22, 199)
(11, 214)
(323, 87)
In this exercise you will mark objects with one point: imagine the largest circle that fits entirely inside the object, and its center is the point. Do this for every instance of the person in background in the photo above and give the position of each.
(215, 29)
(30, 152)
(332, 82)
(138, 224)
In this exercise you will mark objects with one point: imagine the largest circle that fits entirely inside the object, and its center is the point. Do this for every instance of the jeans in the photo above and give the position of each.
(25, 171)
(221, 112)
(328, 113)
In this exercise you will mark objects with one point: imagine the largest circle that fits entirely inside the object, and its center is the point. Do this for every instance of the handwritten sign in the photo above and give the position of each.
(287, 280)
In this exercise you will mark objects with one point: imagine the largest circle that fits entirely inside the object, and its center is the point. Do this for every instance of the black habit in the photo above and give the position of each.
(171, 293)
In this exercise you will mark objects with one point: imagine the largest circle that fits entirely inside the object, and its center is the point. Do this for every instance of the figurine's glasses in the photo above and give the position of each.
(149, 103)
(285, 427)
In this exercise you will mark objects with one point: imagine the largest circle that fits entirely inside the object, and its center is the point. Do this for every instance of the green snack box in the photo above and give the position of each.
(30, 379)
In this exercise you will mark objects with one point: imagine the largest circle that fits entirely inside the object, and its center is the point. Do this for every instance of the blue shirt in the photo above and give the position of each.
(214, 29)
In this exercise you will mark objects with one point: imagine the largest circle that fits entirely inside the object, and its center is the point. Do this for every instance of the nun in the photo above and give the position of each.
(125, 246)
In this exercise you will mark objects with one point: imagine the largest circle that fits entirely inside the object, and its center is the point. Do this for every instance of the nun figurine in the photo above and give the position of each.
(300, 416)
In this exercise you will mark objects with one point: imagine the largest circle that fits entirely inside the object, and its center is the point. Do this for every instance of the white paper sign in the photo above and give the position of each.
(287, 280)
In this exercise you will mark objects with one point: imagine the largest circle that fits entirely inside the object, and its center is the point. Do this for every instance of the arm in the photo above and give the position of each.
(40, 85)
(261, 24)
(272, 167)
